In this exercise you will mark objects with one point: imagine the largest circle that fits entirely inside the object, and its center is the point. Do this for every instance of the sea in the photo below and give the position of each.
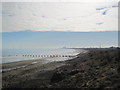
(14, 55)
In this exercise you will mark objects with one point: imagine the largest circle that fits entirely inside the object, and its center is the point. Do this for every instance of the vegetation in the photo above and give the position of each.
(98, 68)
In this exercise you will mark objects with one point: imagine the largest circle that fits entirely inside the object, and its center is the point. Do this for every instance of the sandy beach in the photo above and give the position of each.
(93, 69)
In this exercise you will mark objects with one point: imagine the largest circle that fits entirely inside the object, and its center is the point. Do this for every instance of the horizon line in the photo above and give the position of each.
(62, 31)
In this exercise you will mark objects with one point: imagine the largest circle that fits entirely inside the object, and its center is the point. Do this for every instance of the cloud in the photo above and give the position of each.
(106, 9)
(59, 16)
(101, 8)
(115, 6)
(7, 14)
(99, 23)
(105, 12)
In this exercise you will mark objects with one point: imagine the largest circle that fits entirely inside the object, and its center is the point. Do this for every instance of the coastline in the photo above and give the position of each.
(83, 71)
(21, 63)
(24, 63)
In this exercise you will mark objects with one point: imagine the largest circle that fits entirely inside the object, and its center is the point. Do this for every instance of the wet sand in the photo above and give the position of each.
(19, 63)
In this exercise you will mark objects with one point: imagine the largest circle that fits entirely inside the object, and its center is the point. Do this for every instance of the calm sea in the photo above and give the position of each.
(13, 55)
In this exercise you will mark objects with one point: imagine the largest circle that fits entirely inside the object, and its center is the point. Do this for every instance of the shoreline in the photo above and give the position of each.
(18, 63)
(24, 63)
(28, 56)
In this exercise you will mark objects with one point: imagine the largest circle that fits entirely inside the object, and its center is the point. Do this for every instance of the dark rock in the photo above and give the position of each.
(118, 69)
(73, 72)
(57, 76)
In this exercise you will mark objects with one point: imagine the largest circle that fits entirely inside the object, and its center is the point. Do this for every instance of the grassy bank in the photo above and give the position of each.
(98, 68)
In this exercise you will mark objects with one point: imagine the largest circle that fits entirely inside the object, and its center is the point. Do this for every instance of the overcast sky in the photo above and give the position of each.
(59, 16)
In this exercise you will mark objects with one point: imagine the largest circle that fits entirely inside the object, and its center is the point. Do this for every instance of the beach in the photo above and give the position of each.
(96, 68)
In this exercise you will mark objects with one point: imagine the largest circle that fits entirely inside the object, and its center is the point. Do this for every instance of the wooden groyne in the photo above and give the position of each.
(47, 55)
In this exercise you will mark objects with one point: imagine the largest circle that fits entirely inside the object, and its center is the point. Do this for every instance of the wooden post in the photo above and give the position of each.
(44, 56)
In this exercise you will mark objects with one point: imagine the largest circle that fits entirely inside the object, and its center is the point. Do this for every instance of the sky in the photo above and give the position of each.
(53, 39)
(59, 24)
(59, 16)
